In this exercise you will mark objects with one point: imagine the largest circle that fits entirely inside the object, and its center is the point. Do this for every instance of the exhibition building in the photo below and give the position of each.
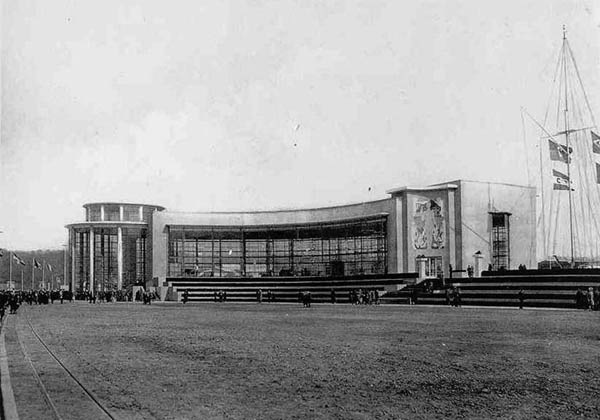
(438, 230)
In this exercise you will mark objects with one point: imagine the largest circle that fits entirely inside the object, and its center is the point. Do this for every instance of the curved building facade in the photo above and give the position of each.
(435, 230)
(111, 250)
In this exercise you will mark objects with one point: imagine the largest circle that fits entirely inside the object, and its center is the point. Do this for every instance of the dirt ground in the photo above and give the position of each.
(269, 361)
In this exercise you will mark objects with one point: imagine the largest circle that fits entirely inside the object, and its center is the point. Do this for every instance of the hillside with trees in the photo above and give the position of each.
(53, 274)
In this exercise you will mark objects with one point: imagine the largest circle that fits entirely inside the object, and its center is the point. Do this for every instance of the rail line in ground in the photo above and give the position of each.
(95, 401)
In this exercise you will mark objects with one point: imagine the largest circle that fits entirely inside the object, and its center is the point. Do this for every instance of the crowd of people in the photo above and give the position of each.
(107, 296)
(453, 296)
(111, 296)
(220, 295)
(267, 296)
(305, 298)
(363, 296)
(13, 299)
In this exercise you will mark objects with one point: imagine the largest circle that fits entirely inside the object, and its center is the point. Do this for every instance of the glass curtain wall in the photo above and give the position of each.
(134, 252)
(105, 257)
(82, 258)
(350, 248)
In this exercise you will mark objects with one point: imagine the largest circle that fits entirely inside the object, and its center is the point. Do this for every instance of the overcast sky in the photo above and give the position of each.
(246, 105)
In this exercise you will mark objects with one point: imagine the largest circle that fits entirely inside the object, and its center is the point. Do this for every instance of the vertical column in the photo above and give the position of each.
(102, 213)
(121, 213)
(386, 261)
(451, 234)
(182, 273)
(243, 249)
(421, 267)
(169, 252)
(120, 256)
(478, 263)
(141, 213)
(269, 256)
(400, 236)
(291, 256)
(65, 259)
(91, 280)
(406, 264)
(72, 245)
(212, 253)
(220, 267)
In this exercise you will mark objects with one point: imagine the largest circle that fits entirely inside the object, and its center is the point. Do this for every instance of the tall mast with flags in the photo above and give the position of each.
(570, 227)
(570, 190)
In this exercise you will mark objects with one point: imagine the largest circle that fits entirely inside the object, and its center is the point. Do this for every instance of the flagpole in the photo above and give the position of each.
(32, 272)
(10, 272)
(567, 143)
(43, 277)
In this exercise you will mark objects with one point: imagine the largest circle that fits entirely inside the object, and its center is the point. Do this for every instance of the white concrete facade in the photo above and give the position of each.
(443, 225)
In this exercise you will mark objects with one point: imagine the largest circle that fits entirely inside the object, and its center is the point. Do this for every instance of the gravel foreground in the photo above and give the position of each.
(269, 361)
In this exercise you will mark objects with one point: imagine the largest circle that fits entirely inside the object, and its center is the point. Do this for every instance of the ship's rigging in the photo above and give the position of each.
(569, 183)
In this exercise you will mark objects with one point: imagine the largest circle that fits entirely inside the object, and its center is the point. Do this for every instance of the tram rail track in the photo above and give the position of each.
(102, 409)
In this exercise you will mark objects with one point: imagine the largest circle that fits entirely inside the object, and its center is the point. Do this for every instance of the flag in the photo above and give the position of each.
(49, 267)
(36, 264)
(17, 259)
(561, 181)
(559, 152)
(1, 253)
(597, 173)
(595, 142)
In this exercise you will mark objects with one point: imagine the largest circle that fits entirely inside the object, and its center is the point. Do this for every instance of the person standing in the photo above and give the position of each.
(579, 299)
(521, 298)
(457, 302)
(186, 295)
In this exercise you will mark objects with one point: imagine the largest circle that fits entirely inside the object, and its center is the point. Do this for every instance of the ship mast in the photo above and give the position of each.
(572, 117)
(564, 65)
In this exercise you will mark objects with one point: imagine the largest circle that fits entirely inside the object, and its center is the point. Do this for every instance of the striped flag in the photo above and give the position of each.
(48, 266)
(561, 181)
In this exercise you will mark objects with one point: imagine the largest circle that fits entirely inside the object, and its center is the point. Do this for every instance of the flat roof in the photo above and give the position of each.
(106, 223)
(283, 209)
(116, 203)
(428, 188)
